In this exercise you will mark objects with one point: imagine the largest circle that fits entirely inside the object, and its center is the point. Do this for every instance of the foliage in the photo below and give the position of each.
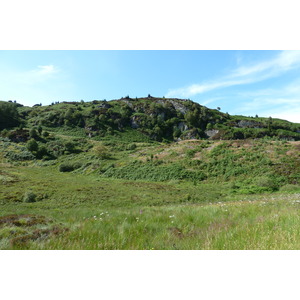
(102, 152)
(69, 166)
(9, 116)
(32, 145)
(29, 197)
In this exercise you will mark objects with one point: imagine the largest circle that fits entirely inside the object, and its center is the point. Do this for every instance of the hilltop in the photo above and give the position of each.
(143, 119)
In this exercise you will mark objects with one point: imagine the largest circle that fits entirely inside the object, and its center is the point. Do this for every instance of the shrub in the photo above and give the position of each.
(42, 151)
(19, 156)
(32, 145)
(102, 152)
(131, 146)
(9, 116)
(45, 134)
(267, 183)
(33, 133)
(69, 166)
(29, 197)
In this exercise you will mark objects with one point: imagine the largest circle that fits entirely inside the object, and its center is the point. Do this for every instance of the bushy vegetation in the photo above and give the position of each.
(143, 119)
(9, 116)
(69, 166)
(147, 173)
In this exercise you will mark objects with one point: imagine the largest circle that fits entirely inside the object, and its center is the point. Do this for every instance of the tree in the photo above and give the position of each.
(102, 152)
(9, 116)
(32, 145)
(33, 133)
(270, 121)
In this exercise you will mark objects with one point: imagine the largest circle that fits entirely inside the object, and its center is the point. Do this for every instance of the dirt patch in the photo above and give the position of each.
(39, 234)
(25, 228)
(23, 220)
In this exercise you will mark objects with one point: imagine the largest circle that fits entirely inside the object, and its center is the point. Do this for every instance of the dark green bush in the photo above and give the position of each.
(69, 166)
(19, 156)
(32, 145)
(29, 197)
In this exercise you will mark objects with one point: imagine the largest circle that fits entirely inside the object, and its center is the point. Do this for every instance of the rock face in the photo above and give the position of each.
(182, 126)
(104, 105)
(211, 133)
(248, 124)
(134, 122)
(179, 106)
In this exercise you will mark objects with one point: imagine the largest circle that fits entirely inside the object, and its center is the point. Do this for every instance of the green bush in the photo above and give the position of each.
(131, 146)
(69, 166)
(19, 156)
(33, 133)
(102, 152)
(32, 145)
(267, 183)
(29, 197)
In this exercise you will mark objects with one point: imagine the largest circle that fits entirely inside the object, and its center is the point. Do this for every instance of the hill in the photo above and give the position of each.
(158, 119)
(146, 173)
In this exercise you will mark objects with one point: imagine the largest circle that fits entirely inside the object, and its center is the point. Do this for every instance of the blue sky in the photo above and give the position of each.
(266, 83)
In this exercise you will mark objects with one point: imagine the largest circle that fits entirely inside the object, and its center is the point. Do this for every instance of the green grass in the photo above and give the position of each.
(119, 214)
(151, 198)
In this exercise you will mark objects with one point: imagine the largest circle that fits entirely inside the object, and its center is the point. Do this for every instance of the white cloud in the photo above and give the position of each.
(42, 84)
(283, 62)
(282, 103)
(48, 69)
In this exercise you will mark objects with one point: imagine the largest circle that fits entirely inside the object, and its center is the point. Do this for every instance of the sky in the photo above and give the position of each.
(263, 83)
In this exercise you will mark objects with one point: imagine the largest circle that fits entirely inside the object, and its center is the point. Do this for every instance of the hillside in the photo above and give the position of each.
(146, 173)
(158, 119)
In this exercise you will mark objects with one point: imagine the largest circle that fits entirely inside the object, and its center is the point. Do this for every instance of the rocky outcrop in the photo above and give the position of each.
(248, 124)
(182, 126)
(179, 106)
(134, 122)
(211, 133)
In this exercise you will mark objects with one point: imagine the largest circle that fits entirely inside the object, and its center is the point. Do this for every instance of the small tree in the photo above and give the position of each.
(102, 152)
(33, 133)
(32, 145)
(29, 197)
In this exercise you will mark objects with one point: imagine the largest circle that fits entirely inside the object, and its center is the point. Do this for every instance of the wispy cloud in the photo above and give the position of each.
(282, 102)
(39, 84)
(48, 69)
(36, 75)
(244, 74)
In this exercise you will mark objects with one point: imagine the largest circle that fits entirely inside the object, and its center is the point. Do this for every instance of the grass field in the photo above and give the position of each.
(121, 194)
(79, 211)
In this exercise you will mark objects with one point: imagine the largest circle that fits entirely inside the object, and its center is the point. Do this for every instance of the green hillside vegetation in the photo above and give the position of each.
(157, 119)
(146, 173)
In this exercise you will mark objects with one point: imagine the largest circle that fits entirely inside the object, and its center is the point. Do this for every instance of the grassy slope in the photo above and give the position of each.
(102, 212)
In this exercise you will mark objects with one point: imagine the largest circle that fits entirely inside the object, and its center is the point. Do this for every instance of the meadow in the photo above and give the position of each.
(194, 194)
